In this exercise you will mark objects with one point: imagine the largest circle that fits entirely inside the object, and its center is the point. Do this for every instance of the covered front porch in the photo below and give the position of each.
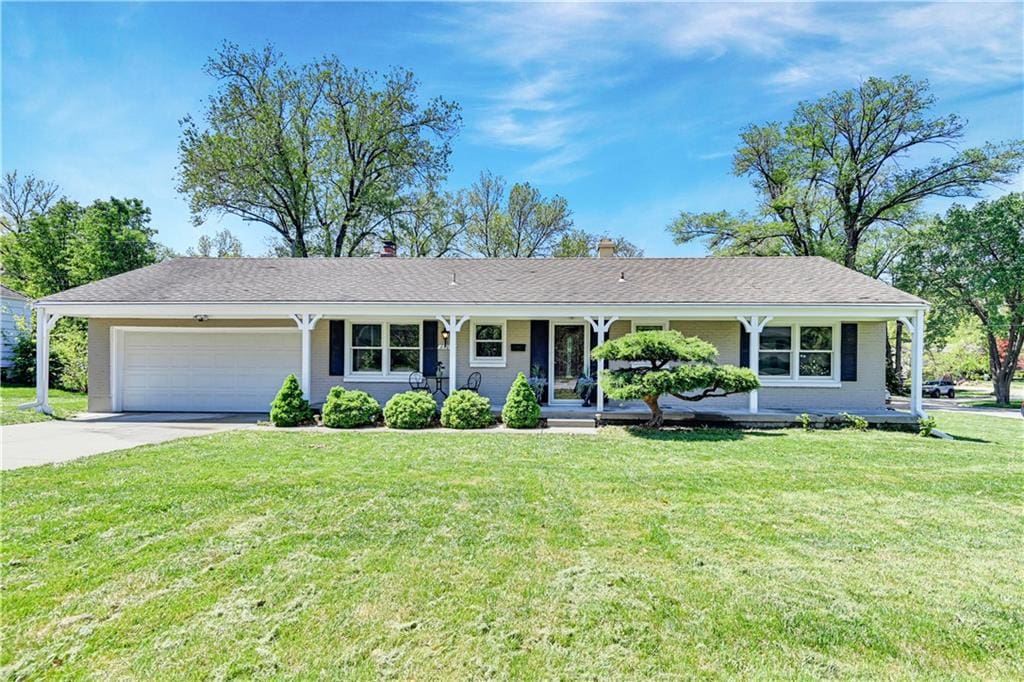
(820, 360)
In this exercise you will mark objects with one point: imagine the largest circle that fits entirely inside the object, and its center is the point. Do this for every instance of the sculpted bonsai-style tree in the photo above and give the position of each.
(668, 363)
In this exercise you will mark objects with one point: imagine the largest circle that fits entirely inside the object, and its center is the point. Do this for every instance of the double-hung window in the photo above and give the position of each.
(488, 345)
(386, 348)
(797, 353)
(403, 348)
(367, 348)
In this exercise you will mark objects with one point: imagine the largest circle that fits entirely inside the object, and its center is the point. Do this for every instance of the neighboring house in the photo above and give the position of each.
(216, 334)
(15, 317)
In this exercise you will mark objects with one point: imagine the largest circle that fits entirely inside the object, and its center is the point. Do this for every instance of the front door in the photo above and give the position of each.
(570, 352)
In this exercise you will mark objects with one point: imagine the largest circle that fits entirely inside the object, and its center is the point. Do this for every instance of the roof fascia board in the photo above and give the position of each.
(512, 310)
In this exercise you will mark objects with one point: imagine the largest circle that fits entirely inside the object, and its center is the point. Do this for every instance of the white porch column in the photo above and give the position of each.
(916, 362)
(754, 326)
(601, 326)
(452, 323)
(306, 323)
(44, 323)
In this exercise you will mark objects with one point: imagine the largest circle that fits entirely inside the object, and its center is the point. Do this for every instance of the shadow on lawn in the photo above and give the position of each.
(696, 435)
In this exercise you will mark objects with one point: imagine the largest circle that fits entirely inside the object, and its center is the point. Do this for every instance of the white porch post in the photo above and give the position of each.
(452, 323)
(754, 326)
(916, 362)
(306, 323)
(601, 326)
(44, 323)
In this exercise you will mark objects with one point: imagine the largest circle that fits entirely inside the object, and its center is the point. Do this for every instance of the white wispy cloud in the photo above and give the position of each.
(562, 59)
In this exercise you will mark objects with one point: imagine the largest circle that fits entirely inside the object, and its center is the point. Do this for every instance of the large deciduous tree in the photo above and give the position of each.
(321, 153)
(23, 198)
(668, 363)
(844, 168)
(971, 261)
(521, 223)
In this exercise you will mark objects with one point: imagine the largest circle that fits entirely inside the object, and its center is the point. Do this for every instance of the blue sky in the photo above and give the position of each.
(629, 111)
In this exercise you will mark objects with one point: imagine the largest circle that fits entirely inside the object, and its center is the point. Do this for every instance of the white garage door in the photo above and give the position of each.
(208, 371)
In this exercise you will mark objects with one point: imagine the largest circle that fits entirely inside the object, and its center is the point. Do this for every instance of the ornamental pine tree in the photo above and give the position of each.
(668, 363)
(290, 408)
(521, 410)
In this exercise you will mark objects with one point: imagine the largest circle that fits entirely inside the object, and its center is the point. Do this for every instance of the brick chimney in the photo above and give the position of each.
(605, 248)
(388, 249)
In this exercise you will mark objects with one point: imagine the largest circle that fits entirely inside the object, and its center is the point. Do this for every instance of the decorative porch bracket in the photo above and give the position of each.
(601, 326)
(306, 323)
(44, 324)
(916, 361)
(452, 323)
(754, 325)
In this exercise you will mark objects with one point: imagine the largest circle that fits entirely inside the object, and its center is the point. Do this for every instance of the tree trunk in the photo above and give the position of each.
(657, 416)
(1001, 384)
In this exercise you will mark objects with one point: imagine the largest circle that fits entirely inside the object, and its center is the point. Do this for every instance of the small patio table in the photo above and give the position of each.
(439, 383)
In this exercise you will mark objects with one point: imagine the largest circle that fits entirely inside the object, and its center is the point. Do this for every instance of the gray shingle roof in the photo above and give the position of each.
(785, 280)
(11, 294)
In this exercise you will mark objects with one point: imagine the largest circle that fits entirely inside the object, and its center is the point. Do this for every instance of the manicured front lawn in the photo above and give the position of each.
(1013, 405)
(708, 554)
(64, 404)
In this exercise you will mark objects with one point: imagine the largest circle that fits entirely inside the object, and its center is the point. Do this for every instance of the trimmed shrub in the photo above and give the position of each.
(290, 408)
(855, 422)
(410, 410)
(466, 410)
(349, 409)
(925, 426)
(521, 410)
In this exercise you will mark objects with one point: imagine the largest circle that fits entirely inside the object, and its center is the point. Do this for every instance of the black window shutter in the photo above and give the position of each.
(337, 348)
(539, 348)
(744, 346)
(429, 347)
(848, 352)
(593, 345)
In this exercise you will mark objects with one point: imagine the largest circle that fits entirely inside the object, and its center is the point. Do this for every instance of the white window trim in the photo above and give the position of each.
(794, 378)
(385, 375)
(634, 323)
(475, 361)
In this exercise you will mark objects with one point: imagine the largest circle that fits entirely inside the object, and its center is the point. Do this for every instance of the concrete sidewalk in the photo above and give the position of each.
(54, 441)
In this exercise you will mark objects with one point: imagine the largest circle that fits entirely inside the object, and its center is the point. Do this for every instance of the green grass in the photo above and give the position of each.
(64, 404)
(461, 555)
(1013, 404)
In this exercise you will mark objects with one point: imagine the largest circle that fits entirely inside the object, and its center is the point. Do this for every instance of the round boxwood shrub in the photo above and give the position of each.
(290, 407)
(410, 410)
(349, 409)
(466, 410)
(521, 410)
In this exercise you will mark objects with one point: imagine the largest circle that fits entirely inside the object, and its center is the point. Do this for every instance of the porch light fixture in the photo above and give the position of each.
(200, 318)
(444, 337)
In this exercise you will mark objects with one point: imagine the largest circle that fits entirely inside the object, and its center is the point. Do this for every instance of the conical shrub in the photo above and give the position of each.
(290, 407)
(521, 410)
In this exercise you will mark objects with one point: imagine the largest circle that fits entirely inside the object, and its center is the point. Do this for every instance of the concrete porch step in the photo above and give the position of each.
(572, 423)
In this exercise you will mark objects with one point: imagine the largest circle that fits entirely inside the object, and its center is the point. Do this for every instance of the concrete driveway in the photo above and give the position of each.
(90, 434)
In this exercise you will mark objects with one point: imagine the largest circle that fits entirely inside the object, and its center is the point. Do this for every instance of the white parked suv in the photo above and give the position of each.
(939, 388)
